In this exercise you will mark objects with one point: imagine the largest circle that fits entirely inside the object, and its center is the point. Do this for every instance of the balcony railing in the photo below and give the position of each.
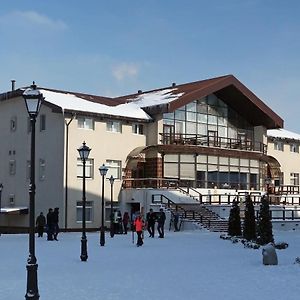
(211, 141)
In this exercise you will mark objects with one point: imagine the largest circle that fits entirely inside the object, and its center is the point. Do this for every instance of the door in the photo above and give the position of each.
(212, 138)
(168, 134)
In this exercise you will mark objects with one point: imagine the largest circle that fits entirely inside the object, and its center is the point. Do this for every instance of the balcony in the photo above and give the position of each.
(212, 141)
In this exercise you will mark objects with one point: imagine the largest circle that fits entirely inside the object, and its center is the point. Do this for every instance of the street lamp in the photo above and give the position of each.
(103, 170)
(33, 100)
(1, 188)
(112, 231)
(84, 152)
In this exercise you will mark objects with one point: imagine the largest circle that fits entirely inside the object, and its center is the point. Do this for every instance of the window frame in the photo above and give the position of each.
(117, 168)
(89, 211)
(89, 168)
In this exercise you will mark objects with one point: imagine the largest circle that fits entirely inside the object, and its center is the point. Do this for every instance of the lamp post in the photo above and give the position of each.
(33, 100)
(112, 231)
(103, 170)
(1, 188)
(84, 152)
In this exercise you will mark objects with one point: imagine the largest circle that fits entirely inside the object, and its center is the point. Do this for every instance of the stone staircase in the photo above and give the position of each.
(196, 212)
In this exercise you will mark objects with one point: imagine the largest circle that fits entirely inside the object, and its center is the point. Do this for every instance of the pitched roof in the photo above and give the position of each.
(143, 104)
(283, 134)
(227, 88)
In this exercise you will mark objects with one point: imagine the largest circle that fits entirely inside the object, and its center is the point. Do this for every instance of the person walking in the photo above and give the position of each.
(125, 221)
(176, 220)
(150, 218)
(161, 223)
(50, 225)
(139, 225)
(55, 223)
(40, 224)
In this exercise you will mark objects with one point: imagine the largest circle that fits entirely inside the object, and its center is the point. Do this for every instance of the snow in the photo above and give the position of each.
(72, 102)
(131, 109)
(184, 265)
(156, 97)
(283, 134)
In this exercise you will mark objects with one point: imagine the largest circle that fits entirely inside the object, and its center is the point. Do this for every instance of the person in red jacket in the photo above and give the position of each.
(139, 226)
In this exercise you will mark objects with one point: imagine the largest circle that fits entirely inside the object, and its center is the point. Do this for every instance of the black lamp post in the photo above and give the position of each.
(84, 152)
(33, 100)
(1, 188)
(112, 231)
(103, 170)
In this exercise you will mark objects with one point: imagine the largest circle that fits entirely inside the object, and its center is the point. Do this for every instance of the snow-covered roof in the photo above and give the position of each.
(156, 97)
(283, 134)
(72, 102)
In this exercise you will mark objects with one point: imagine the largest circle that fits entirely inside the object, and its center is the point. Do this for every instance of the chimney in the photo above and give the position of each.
(13, 83)
(173, 84)
(140, 91)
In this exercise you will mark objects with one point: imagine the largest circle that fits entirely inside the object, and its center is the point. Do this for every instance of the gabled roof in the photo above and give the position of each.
(144, 104)
(227, 88)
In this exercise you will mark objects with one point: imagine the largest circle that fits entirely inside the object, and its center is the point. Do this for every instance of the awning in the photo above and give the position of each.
(14, 210)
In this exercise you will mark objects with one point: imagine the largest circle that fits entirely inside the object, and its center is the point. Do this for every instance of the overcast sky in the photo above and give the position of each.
(118, 47)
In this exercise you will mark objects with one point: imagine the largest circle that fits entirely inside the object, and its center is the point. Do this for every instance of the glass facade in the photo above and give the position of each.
(208, 116)
(208, 171)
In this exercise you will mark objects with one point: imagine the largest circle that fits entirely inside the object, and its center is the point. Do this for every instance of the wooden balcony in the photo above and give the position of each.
(209, 141)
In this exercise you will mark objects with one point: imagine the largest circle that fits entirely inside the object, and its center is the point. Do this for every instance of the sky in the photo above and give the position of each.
(184, 265)
(118, 47)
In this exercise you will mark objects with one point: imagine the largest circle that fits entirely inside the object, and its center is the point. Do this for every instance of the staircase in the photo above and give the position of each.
(193, 212)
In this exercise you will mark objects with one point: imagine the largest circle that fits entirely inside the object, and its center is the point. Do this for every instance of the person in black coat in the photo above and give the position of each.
(150, 218)
(40, 224)
(161, 218)
(55, 223)
(50, 225)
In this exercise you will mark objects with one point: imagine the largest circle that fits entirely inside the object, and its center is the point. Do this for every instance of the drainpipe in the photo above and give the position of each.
(66, 163)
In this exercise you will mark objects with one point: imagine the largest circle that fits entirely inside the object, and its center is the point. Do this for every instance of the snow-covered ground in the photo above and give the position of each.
(185, 265)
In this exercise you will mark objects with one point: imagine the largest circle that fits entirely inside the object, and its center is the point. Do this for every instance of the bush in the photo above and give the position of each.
(234, 222)
(249, 230)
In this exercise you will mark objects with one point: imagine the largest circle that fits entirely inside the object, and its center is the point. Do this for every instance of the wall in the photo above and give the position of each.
(105, 145)
(17, 146)
(289, 161)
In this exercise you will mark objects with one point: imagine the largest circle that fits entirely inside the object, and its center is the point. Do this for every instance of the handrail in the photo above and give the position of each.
(169, 202)
(205, 140)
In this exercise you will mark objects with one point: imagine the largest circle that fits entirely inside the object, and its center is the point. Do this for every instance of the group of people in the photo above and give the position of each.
(48, 223)
(151, 219)
(120, 223)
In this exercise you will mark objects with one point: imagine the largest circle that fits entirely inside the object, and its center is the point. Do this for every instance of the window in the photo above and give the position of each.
(42, 169)
(12, 167)
(13, 124)
(88, 211)
(294, 148)
(89, 168)
(114, 168)
(278, 146)
(138, 128)
(294, 178)
(114, 126)
(42, 122)
(85, 123)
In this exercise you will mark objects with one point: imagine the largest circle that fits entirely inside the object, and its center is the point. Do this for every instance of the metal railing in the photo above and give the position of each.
(210, 141)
